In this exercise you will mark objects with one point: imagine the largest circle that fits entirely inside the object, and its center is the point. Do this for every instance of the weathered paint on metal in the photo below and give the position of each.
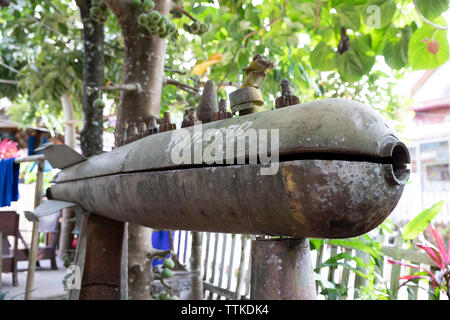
(282, 270)
(306, 198)
(325, 126)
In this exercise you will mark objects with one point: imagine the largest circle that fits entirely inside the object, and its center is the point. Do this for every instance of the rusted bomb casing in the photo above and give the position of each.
(341, 172)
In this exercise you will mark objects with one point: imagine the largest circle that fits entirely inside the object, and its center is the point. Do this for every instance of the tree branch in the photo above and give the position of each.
(9, 81)
(182, 86)
(167, 69)
(316, 25)
(181, 10)
(248, 35)
(426, 20)
(124, 87)
(8, 67)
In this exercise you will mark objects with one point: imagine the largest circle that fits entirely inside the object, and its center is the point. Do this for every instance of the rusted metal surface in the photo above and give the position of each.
(306, 198)
(222, 113)
(256, 72)
(244, 100)
(341, 172)
(329, 126)
(101, 272)
(282, 270)
(208, 103)
(190, 119)
(166, 123)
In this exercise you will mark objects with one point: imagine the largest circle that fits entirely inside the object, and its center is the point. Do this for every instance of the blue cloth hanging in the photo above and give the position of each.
(161, 241)
(47, 165)
(9, 182)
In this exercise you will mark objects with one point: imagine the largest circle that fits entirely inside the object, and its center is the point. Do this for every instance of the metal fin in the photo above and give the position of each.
(60, 156)
(50, 207)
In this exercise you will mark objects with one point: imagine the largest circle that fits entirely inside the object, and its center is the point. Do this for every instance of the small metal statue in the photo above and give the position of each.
(249, 98)
(287, 98)
(222, 113)
(256, 72)
(166, 124)
(190, 120)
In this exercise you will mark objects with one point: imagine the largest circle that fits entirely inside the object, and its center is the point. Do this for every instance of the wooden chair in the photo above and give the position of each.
(9, 226)
(50, 226)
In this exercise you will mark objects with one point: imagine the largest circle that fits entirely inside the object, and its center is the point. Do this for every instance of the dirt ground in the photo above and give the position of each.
(47, 283)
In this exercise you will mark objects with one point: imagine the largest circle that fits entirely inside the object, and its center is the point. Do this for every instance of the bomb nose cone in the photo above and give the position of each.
(208, 103)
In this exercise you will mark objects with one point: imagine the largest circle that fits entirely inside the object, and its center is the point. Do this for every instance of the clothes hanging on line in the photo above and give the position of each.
(9, 182)
(161, 241)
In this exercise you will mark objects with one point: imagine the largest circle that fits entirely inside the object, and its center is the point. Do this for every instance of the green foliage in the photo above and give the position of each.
(39, 40)
(421, 221)
(432, 9)
(42, 41)
(420, 54)
(168, 263)
(332, 290)
(99, 13)
(396, 49)
(30, 175)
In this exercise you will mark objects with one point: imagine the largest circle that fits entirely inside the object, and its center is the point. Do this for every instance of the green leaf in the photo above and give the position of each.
(349, 66)
(348, 17)
(379, 13)
(432, 8)
(419, 55)
(396, 51)
(308, 8)
(357, 61)
(358, 244)
(421, 221)
(315, 244)
(323, 57)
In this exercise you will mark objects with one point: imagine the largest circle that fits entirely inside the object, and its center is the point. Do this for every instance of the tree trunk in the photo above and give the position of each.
(91, 136)
(144, 67)
(101, 272)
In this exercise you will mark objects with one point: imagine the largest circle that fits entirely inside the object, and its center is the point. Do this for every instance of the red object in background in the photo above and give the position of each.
(74, 243)
(8, 149)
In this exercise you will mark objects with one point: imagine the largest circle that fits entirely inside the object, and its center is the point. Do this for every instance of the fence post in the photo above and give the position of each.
(35, 231)
(361, 281)
(415, 290)
(282, 270)
(382, 239)
(319, 261)
(196, 266)
(241, 268)
(431, 296)
(206, 261)
(344, 277)
(230, 268)
(395, 273)
(214, 262)
(222, 261)
(331, 270)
